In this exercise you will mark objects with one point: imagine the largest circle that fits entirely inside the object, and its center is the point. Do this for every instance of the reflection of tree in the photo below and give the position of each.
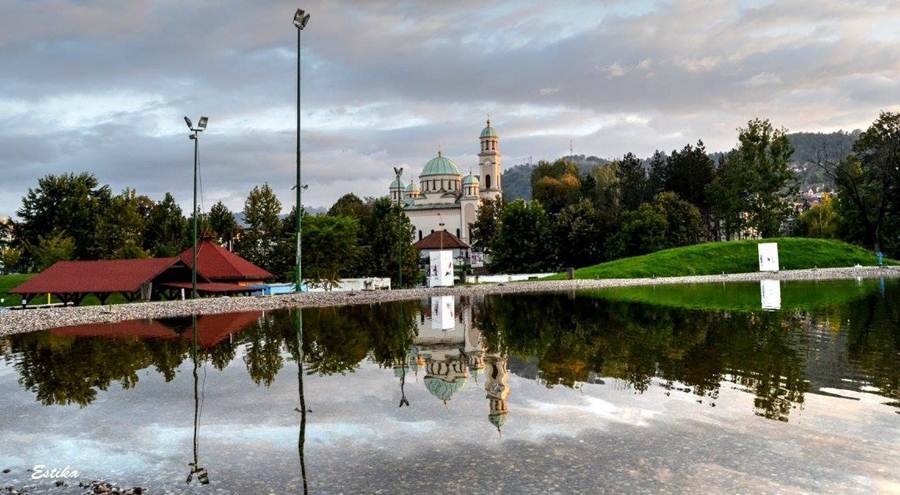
(573, 338)
(873, 340)
(263, 349)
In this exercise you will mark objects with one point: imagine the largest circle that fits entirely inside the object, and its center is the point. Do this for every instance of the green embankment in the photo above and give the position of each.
(9, 282)
(731, 257)
(743, 296)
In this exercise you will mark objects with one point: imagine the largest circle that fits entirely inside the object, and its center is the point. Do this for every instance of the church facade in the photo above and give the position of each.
(444, 199)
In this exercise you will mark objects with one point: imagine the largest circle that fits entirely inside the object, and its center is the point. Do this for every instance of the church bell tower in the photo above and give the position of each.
(489, 163)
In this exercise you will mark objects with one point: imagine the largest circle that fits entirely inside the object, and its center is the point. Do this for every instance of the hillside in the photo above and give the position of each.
(730, 257)
(809, 147)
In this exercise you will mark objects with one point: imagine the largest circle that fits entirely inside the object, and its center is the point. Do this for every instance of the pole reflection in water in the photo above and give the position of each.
(301, 441)
(196, 469)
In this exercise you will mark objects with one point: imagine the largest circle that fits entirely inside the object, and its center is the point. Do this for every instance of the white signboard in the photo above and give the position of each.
(443, 313)
(440, 269)
(768, 257)
(770, 294)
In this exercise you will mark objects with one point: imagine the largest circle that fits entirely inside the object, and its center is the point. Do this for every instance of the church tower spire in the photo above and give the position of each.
(489, 163)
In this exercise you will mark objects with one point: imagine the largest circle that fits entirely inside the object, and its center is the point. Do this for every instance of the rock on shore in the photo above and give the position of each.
(40, 319)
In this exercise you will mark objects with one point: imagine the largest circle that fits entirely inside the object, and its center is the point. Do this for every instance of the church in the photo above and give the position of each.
(445, 200)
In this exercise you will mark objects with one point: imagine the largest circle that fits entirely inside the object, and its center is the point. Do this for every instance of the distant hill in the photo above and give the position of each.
(809, 147)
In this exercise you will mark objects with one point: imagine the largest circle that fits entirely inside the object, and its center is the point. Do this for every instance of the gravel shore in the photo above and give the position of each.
(40, 319)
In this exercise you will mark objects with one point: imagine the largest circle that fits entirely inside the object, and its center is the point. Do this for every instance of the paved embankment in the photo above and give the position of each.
(40, 319)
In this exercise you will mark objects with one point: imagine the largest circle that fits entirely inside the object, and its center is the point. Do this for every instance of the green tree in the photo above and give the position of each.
(868, 184)
(820, 220)
(259, 241)
(53, 248)
(74, 205)
(222, 223)
(754, 187)
(524, 239)
(391, 244)
(634, 186)
(330, 248)
(487, 220)
(642, 231)
(349, 205)
(166, 226)
(10, 258)
(688, 172)
(556, 184)
(579, 234)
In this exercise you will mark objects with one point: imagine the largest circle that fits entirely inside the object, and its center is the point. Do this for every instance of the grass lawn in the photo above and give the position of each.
(9, 282)
(731, 257)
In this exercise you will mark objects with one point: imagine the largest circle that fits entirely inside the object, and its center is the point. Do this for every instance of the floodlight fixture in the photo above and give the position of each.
(300, 19)
(201, 124)
(188, 122)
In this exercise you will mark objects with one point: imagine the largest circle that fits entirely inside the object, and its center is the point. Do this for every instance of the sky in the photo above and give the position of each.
(102, 86)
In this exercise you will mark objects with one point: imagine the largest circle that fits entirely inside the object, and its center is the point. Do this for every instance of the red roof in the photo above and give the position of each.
(81, 277)
(219, 264)
(211, 329)
(440, 240)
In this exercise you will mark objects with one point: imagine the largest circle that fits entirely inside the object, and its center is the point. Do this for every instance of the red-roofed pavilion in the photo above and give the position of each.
(218, 264)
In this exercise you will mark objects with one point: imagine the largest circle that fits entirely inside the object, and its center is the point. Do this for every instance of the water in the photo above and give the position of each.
(625, 390)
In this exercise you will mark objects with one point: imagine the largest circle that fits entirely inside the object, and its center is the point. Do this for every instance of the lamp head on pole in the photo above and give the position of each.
(201, 124)
(188, 122)
(300, 19)
(398, 171)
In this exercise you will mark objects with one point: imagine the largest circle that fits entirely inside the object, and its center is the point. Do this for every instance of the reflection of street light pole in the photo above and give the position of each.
(195, 136)
(202, 475)
(399, 172)
(300, 20)
(301, 441)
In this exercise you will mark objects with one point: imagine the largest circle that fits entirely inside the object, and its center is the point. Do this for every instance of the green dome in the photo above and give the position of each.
(471, 180)
(412, 187)
(489, 132)
(396, 184)
(444, 390)
(440, 166)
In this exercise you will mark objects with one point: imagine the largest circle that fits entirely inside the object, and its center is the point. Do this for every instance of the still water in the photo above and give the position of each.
(668, 389)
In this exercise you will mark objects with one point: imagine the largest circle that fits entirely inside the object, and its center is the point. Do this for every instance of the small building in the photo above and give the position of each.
(442, 240)
(220, 265)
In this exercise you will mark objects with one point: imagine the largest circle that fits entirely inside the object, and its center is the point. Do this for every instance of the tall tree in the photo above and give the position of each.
(688, 172)
(556, 184)
(261, 238)
(579, 234)
(164, 235)
(222, 223)
(74, 205)
(667, 222)
(330, 248)
(484, 230)
(634, 186)
(53, 248)
(868, 181)
(524, 239)
(391, 245)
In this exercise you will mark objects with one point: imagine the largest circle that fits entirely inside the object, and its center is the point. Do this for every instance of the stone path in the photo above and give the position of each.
(40, 319)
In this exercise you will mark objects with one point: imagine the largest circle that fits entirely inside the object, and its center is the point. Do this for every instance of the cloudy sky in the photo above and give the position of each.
(102, 86)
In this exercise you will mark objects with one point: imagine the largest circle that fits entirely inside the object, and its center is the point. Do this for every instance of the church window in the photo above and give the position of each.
(457, 232)
(487, 181)
(420, 234)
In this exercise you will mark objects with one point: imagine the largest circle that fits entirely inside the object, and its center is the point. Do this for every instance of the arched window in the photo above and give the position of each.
(420, 235)
(487, 181)
(457, 232)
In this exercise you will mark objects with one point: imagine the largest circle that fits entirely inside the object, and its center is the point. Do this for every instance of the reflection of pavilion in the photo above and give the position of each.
(451, 350)
(211, 329)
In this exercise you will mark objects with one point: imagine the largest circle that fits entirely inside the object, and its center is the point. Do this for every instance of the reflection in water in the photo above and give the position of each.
(195, 468)
(777, 356)
(301, 439)
(770, 294)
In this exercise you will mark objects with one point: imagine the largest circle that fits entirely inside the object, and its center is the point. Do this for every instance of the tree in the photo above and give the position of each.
(391, 243)
(10, 257)
(330, 248)
(484, 230)
(524, 239)
(349, 205)
(868, 182)
(69, 204)
(222, 223)
(753, 188)
(53, 248)
(667, 222)
(125, 223)
(634, 186)
(656, 179)
(556, 184)
(261, 238)
(578, 233)
(820, 220)
(687, 173)
(164, 234)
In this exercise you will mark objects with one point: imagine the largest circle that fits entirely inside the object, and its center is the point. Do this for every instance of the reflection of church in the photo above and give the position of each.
(450, 349)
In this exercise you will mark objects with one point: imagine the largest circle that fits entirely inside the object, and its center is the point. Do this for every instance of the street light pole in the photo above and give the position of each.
(399, 172)
(195, 137)
(300, 20)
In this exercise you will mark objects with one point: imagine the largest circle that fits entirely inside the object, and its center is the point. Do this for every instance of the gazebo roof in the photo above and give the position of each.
(103, 276)
(440, 239)
(219, 264)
